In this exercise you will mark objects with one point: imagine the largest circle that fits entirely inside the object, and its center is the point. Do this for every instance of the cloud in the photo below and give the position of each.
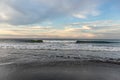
(96, 29)
(43, 31)
(22, 12)
(95, 23)
(80, 16)
(90, 9)
(101, 29)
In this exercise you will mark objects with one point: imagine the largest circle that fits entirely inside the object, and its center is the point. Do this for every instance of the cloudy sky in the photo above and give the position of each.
(60, 19)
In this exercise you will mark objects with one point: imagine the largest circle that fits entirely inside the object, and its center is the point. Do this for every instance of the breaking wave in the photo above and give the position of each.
(58, 46)
(89, 45)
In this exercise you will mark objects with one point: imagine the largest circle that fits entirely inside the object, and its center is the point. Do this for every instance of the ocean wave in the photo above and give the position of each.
(60, 41)
(58, 46)
(74, 41)
(99, 42)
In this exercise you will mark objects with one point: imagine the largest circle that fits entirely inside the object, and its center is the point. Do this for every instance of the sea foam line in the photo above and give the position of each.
(43, 46)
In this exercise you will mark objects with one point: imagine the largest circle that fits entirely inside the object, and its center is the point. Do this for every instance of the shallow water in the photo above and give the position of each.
(9, 56)
(57, 65)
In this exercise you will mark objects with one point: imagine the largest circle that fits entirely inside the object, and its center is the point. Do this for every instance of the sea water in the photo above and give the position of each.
(21, 59)
(22, 50)
(112, 45)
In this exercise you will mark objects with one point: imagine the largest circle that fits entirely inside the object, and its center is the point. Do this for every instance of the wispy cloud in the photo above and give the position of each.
(96, 29)
(44, 31)
(21, 12)
(102, 29)
(60, 18)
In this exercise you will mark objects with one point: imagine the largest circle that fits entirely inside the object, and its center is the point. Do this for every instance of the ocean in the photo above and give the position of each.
(24, 50)
(91, 45)
(67, 59)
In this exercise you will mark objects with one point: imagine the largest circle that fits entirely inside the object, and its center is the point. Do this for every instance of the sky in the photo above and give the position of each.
(83, 19)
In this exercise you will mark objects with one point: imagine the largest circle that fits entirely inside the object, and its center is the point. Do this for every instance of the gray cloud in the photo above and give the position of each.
(22, 12)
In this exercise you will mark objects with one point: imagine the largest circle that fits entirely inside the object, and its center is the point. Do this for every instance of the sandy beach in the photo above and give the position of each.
(65, 70)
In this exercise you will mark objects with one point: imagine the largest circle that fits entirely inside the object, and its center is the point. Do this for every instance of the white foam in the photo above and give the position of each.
(57, 46)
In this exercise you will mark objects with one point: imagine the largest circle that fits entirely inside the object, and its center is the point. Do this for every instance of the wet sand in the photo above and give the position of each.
(59, 65)
(61, 70)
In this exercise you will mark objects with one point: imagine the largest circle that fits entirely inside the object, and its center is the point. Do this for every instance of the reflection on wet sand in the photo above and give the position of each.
(60, 71)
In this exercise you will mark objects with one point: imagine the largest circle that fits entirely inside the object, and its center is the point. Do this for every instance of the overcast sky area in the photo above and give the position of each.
(86, 19)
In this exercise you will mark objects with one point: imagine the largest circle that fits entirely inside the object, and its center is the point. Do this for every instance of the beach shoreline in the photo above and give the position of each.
(16, 64)
(60, 70)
